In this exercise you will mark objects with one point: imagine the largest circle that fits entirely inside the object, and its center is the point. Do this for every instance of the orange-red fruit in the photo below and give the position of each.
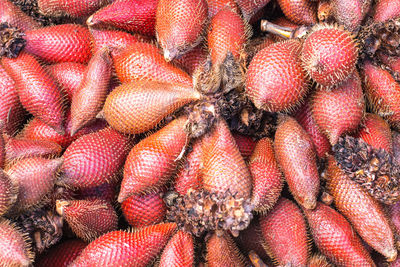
(275, 78)
(306, 120)
(299, 11)
(335, 237)
(179, 25)
(37, 90)
(69, 8)
(8, 193)
(144, 210)
(350, 14)
(227, 33)
(62, 254)
(223, 166)
(383, 92)
(95, 158)
(106, 191)
(376, 132)
(137, 16)
(364, 213)
(15, 17)
(151, 162)
(143, 61)
(295, 153)
(120, 248)
(329, 54)
(139, 106)
(179, 251)
(14, 247)
(222, 251)
(386, 9)
(35, 178)
(340, 110)
(267, 177)
(88, 219)
(250, 8)
(285, 234)
(214, 6)
(60, 43)
(89, 99)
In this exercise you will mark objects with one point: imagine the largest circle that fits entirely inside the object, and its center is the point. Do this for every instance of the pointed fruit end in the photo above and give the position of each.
(309, 203)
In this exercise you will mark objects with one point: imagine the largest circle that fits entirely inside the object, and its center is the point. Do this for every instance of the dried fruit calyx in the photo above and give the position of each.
(11, 41)
(374, 169)
(201, 211)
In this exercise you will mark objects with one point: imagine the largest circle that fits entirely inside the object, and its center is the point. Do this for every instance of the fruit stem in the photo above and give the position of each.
(285, 32)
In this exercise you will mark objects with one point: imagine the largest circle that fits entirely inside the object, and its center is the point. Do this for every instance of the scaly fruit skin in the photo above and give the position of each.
(329, 54)
(275, 79)
(69, 8)
(222, 251)
(386, 9)
(267, 177)
(339, 110)
(8, 193)
(306, 120)
(363, 212)
(139, 106)
(246, 144)
(214, 6)
(227, 33)
(224, 168)
(120, 248)
(285, 234)
(394, 216)
(143, 61)
(144, 210)
(250, 8)
(95, 158)
(35, 178)
(88, 219)
(396, 146)
(60, 43)
(376, 132)
(179, 25)
(37, 90)
(295, 153)
(193, 59)
(151, 163)
(89, 99)
(105, 191)
(68, 75)
(11, 111)
(15, 17)
(299, 11)
(62, 254)
(336, 238)
(138, 16)
(14, 248)
(383, 92)
(350, 14)
(179, 251)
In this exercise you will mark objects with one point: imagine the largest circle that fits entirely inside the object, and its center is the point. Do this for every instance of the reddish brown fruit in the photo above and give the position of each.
(68, 75)
(143, 61)
(383, 92)
(394, 216)
(179, 25)
(295, 153)
(257, 44)
(246, 144)
(139, 106)
(250, 8)
(14, 247)
(179, 251)
(275, 78)
(69, 8)
(396, 146)
(306, 120)
(62, 254)
(95, 158)
(106, 191)
(386, 9)
(119, 248)
(88, 219)
(60, 43)
(329, 54)
(8, 193)
(222, 251)
(214, 6)
(285, 234)
(267, 177)
(144, 210)
(137, 16)
(299, 11)
(193, 59)
(37, 91)
(340, 110)
(224, 168)
(15, 17)
(363, 212)
(376, 132)
(336, 238)
(350, 14)
(35, 178)
(151, 162)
